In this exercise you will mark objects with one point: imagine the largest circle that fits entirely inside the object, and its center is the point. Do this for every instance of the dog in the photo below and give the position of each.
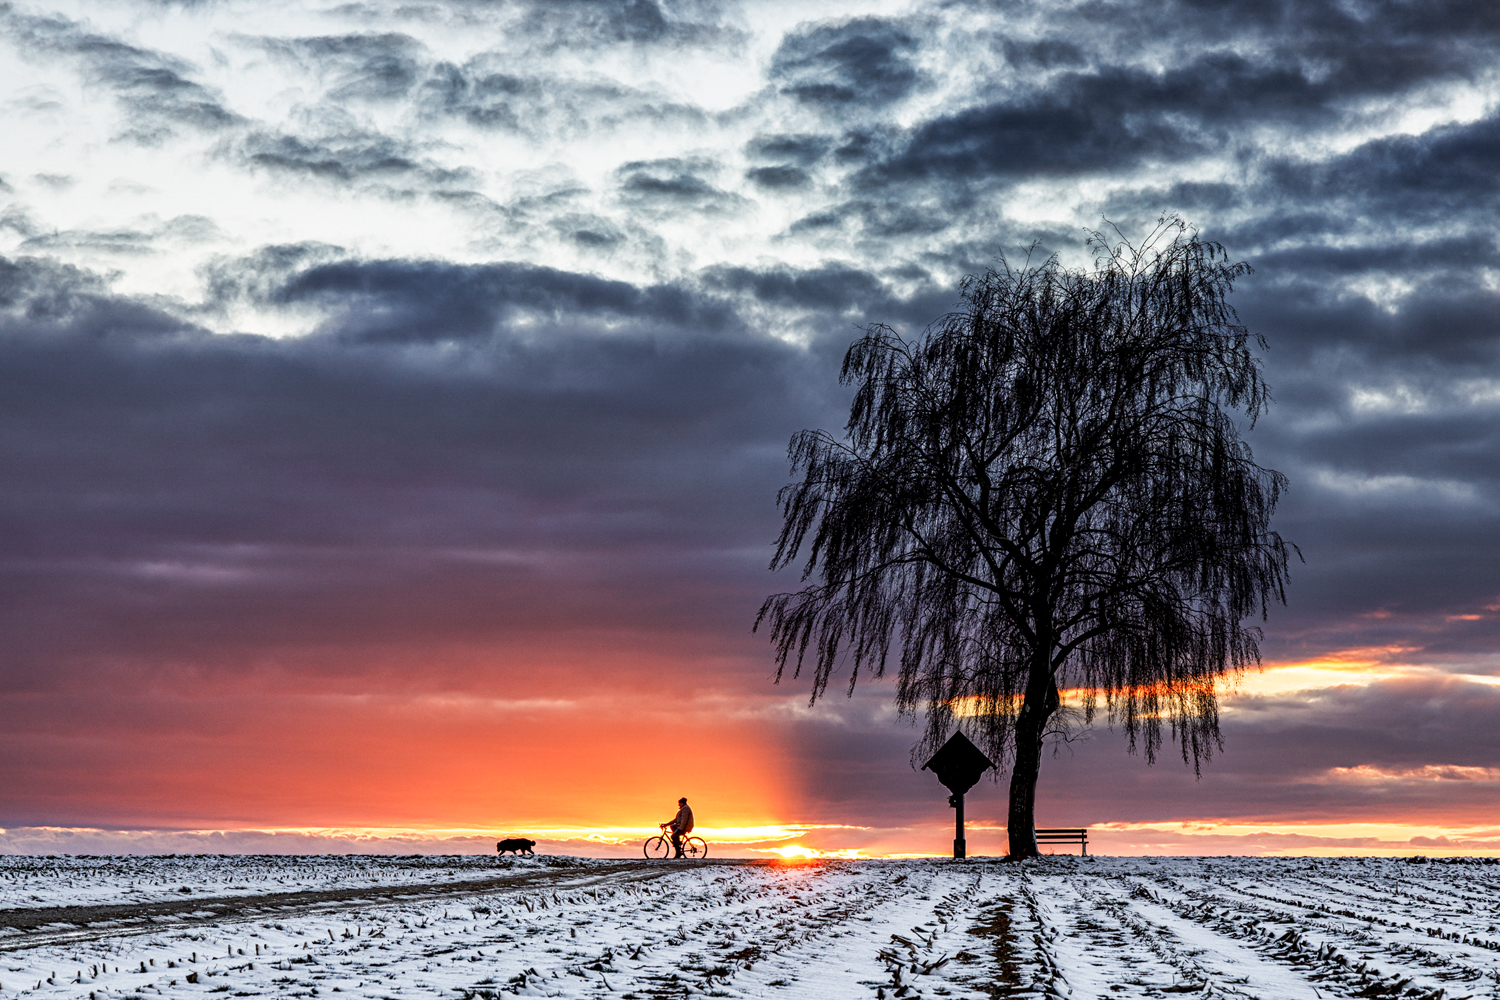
(516, 845)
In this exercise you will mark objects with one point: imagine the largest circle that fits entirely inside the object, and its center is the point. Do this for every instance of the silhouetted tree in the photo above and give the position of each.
(1047, 489)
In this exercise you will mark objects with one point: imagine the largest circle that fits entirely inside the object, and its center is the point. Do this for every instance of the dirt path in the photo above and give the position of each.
(46, 925)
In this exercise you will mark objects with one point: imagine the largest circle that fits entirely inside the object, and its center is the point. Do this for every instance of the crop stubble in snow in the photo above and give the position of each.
(1277, 929)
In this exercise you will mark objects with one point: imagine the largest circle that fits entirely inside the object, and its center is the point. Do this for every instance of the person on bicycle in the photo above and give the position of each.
(681, 825)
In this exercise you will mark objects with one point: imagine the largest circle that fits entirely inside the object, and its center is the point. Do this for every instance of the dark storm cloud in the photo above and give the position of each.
(262, 275)
(637, 20)
(674, 185)
(1446, 173)
(590, 231)
(1388, 424)
(779, 177)
(1201, 197)
(864, 61)
(1418, 259)
(434, 431)
(1111, 117)
(41, 292)
(633, 22)
(800, 150)
(1074, 106)
(1445, 325)
(1413, 204)
(416, 301)
(1047, 54)
(833, 288)
(1378, 48)
(837, 300)
(155, 91)
(883, 220)
(819, 223)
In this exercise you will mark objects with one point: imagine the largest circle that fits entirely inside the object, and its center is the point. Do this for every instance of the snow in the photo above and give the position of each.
(62, 881)
(1277, 929)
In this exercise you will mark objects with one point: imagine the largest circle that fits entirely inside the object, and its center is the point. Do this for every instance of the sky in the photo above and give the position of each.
(394, 396)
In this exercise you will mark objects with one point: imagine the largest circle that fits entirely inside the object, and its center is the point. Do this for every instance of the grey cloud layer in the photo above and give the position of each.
(482, 428)
(1313, 759)
(864, 61)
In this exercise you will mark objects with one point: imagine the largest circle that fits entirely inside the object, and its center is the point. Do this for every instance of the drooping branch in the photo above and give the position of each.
(1050, 479)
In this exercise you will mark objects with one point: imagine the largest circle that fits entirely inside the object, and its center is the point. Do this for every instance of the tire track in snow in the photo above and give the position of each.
(1103, 946)
(978, 930)
(1381, 959)
(34, 927)
(838, 929)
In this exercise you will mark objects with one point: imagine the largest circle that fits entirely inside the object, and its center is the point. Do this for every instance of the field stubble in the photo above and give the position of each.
(1275, 929)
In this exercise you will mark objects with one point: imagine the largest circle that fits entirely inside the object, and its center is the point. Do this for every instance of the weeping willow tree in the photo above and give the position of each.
(1046, 490)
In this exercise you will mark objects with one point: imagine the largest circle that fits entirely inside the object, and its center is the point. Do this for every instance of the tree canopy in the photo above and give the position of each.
(1047, 490)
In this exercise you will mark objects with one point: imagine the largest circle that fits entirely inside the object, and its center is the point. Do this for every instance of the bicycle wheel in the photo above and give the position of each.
(658, 847)
(694, 847)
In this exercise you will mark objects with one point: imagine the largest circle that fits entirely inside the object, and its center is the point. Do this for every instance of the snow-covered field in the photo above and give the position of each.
(1277, 929)
(81, 881)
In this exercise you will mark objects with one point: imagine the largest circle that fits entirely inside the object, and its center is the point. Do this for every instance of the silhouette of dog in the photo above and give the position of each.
(516, 845)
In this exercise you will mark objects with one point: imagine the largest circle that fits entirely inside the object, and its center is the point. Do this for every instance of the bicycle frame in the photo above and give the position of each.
(660, 848)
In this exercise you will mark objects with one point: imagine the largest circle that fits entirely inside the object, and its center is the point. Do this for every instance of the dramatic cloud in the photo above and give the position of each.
(862, 61)
(406, 389)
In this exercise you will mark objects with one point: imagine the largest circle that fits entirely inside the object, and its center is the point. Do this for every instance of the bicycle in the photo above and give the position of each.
(660, 846)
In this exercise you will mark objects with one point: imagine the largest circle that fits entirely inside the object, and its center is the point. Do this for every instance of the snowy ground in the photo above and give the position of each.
(64, 881)
(1278, 929)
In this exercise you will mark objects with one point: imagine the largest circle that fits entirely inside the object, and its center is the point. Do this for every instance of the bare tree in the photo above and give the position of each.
(1047, 490)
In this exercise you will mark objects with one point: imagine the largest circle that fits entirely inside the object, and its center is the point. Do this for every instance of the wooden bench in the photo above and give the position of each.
(1065, 835)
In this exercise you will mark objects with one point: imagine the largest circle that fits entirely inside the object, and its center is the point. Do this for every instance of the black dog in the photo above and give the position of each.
(516, 845)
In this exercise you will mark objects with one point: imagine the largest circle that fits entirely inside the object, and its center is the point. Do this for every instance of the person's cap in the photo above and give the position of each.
(683, 799)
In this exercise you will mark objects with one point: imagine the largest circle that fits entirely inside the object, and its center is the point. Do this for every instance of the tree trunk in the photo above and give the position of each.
(1041, 701)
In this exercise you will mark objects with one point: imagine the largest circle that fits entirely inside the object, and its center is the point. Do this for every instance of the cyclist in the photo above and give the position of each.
(681, 825)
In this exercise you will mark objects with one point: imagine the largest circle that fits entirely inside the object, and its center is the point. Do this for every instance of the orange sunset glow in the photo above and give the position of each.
(593, 772)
